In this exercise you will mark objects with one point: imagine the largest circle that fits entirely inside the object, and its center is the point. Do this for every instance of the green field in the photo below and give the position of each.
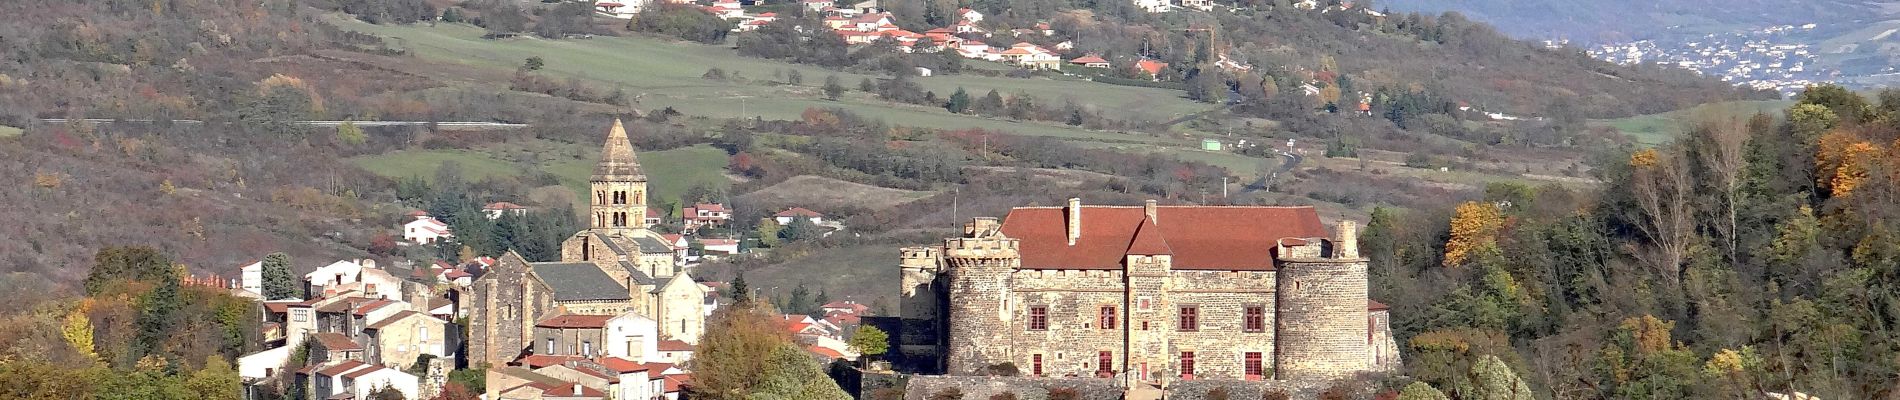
(1654, 129)
(671, 172)
(662, 73)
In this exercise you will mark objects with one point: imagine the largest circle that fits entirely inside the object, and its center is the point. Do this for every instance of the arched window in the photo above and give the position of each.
(600, 197)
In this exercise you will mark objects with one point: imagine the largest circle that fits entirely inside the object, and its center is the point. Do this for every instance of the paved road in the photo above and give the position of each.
(444, 124)
(1292, 161)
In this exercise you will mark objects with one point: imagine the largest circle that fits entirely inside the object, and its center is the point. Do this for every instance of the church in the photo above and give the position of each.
(613, 267)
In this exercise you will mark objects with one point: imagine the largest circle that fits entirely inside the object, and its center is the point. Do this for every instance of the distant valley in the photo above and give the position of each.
(1781, 45)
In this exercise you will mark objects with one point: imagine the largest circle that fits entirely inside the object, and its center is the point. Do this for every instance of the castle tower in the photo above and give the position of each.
(619, 201)
(921, 307)
(979, 265)
(1321, 309)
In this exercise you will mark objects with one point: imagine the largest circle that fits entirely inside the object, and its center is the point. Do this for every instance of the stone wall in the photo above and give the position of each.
(921, 387)
(1250, 390)
(1322, 319)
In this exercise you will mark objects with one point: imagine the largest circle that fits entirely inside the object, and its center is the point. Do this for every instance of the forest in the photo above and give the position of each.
(1754, 255)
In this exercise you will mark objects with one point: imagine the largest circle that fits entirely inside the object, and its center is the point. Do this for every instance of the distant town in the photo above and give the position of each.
(1770, 58)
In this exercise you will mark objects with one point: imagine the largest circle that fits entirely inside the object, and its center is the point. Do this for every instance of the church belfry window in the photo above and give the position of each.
(600, 197)
(620, 197)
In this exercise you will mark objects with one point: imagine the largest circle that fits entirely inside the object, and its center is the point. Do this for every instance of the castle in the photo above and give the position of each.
(1152, 293)
(615, 266)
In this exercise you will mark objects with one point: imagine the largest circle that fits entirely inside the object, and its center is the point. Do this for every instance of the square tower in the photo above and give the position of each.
(617, 199)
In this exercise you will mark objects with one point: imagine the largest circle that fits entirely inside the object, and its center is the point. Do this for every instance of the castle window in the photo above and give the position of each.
(1187, 365)
(1255, 320)
(1038, 318)
(1108, 317)
(1190, 319)
(551, 347)
(1105, 363)
(1255, 365)
(620, 197)
(587, 348)
(1035, 365)
(1144, 303)
(600, 197)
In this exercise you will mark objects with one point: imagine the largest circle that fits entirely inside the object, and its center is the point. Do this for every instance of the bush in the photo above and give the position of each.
(1139, 83)
(681, 21)
(1217, 393)
(1004, 396)
(1275, 394)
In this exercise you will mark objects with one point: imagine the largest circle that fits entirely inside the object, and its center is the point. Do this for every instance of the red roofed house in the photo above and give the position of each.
(786, 217)
(1152, 67)
(1090, 61)
(1029, 55)
(1195, 291)
(425, 229)
(703, 214)
(496, 209)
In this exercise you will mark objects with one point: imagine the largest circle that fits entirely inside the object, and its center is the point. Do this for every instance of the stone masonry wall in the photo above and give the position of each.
(1322, 319)
(921, 387)
(1221, 343)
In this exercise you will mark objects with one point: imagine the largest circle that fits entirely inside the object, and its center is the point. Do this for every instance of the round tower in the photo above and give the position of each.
(1321, 318)
(978, 267)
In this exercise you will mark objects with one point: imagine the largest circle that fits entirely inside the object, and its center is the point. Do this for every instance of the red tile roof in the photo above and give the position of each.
(677, 382)
(656, 370)
(567, 390)
(1206, 238)
(1089, 59)
(372, 306)
(798, 212)
(341, 367)
(1152, 67)
(575, 321)
(1375, 305)
(675, 345)
(333, 341)
(366, 371)
(827, 353)
(621, 365)
(543, 360)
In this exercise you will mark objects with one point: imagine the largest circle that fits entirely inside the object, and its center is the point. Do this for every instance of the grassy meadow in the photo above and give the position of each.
(671, 172)
(1654, 129)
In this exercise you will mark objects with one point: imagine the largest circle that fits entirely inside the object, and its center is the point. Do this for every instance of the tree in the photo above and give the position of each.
(278, 283)
(959, 101)
(790, 374)
(728, 363)
(113, 265)
(870, 341)
(1022, 107)
(833, 89)
(348, 133)
(534, 63)
(794, 77)
(1421, 391)
(158, 311)
(77, 330)
(1495, 381)
(741, 294)
(216, 381)
(865, 85)
(1475, 225)
(801, 229)
(768, 232)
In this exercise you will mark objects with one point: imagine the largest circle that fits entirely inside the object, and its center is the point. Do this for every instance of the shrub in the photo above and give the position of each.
(1003, 396)
(1217, 393)
(1275, 394)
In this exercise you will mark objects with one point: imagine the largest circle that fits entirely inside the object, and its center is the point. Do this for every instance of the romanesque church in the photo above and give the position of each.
(615, 266)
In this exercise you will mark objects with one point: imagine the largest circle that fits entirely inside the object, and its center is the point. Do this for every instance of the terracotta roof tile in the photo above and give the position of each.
(656, 370)
(827, 353)
(1205, 238)
(678, 382)
(543, 360)
(621, 365)
(1148, 240)
(1375, 305)
(575, 321)
(365, 371)
(1089, 59)
(333, 341)
(675, 345)
(340, 367)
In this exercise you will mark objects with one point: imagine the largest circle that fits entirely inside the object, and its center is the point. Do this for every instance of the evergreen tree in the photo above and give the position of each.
(865, 85)
(741, 294)
(278, 282)
(801, 229)
(959, 101)
(157, 316)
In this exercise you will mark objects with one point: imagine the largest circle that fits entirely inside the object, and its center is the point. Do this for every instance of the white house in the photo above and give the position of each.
(622, 9)
(363, 381)
(1153, 6)
(786, 217)
(674, 352)
(425, 229)
(263, 364)
(251, 277)
(632, 337)
(360, 275)
(970, 15)
(818, 5)
(497, 209)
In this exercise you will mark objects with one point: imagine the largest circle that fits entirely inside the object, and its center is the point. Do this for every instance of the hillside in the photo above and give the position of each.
(1610, 21)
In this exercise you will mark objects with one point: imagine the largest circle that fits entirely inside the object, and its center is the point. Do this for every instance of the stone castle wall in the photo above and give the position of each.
(1322, 319)
(920, 387)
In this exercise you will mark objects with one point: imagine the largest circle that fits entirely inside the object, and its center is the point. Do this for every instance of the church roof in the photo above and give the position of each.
(1197, 237)
(650, 245)
(617, 161)
(579, 281)
(638, 277)
(611, 244)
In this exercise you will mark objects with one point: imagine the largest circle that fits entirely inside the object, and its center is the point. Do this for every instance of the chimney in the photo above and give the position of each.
(1347, 245)
(1075, 219)
(1149, 208)
(577, 385)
